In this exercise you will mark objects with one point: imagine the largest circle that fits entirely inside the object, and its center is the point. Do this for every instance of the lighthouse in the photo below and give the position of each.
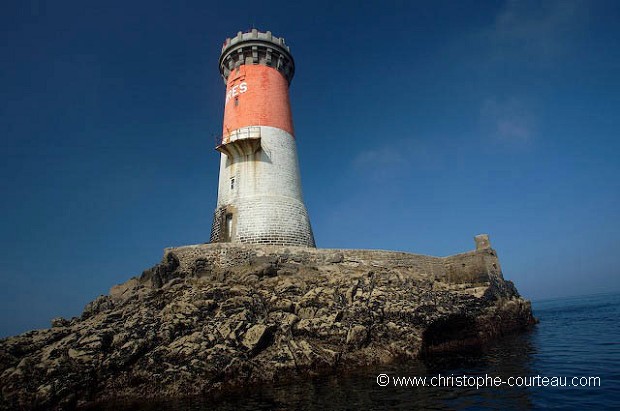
(259, 193)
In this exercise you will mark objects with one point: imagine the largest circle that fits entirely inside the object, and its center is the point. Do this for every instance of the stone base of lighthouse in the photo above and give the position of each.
(259, 194)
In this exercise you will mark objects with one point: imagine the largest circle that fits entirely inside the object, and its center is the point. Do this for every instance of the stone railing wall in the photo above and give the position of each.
(471, 267)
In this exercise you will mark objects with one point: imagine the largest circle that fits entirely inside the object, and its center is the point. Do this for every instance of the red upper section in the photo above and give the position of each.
(257, 95)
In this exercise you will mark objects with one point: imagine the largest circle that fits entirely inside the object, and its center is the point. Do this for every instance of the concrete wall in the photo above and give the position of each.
(265, 199)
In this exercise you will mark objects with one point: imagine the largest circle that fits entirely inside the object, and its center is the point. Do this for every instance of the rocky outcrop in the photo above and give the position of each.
(217, 316)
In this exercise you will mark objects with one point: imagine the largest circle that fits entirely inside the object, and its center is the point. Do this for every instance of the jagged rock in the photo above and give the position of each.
(60, 322)
(357, 336)
(218, 316)
(258, 337)
(99, 304)
(335, 258)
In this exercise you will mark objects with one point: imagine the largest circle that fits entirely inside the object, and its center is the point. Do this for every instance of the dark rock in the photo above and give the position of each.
(219, 316)
(60, 322)
(161, 273)
(99, 304)
(357, 336)
(258, 337)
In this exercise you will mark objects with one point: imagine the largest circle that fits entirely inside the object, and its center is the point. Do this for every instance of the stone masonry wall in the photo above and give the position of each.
(265, 197)
(472, 267)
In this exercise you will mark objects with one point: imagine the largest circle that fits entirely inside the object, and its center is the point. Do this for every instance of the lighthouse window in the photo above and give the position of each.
(236, 101)
(232, 183)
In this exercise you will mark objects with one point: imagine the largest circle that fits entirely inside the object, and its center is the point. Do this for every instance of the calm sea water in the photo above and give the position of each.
(577, 336)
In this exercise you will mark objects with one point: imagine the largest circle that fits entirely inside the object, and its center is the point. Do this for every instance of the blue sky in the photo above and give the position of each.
(419, 125)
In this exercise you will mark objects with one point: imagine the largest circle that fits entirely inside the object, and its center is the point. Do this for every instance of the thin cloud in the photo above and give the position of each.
(508, 120)
(379, 157)
(401, 156)
(538, 30)
(526, 33)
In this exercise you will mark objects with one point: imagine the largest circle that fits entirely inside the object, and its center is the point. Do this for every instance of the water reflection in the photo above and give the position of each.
(359, 390)
(577, 337)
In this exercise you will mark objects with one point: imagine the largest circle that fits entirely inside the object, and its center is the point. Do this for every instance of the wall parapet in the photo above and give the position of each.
(478, 266)
(255, 47)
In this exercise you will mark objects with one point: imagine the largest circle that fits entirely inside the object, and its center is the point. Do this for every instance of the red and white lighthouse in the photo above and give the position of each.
(259, 195)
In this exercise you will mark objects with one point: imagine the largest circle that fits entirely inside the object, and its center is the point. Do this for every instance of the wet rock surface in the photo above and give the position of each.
(214, 317)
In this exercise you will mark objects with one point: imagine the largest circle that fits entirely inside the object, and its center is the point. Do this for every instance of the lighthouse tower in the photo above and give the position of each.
(259, 194)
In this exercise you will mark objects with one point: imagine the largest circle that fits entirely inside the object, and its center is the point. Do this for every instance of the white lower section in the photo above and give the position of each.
(262, 191)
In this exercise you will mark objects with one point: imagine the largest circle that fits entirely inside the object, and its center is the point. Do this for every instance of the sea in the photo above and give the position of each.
(576, 345)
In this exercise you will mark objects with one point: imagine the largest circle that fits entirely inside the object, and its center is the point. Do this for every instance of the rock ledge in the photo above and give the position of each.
(219, 316)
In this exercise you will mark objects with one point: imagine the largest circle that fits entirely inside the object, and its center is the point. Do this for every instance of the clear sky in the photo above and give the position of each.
(419, 125)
